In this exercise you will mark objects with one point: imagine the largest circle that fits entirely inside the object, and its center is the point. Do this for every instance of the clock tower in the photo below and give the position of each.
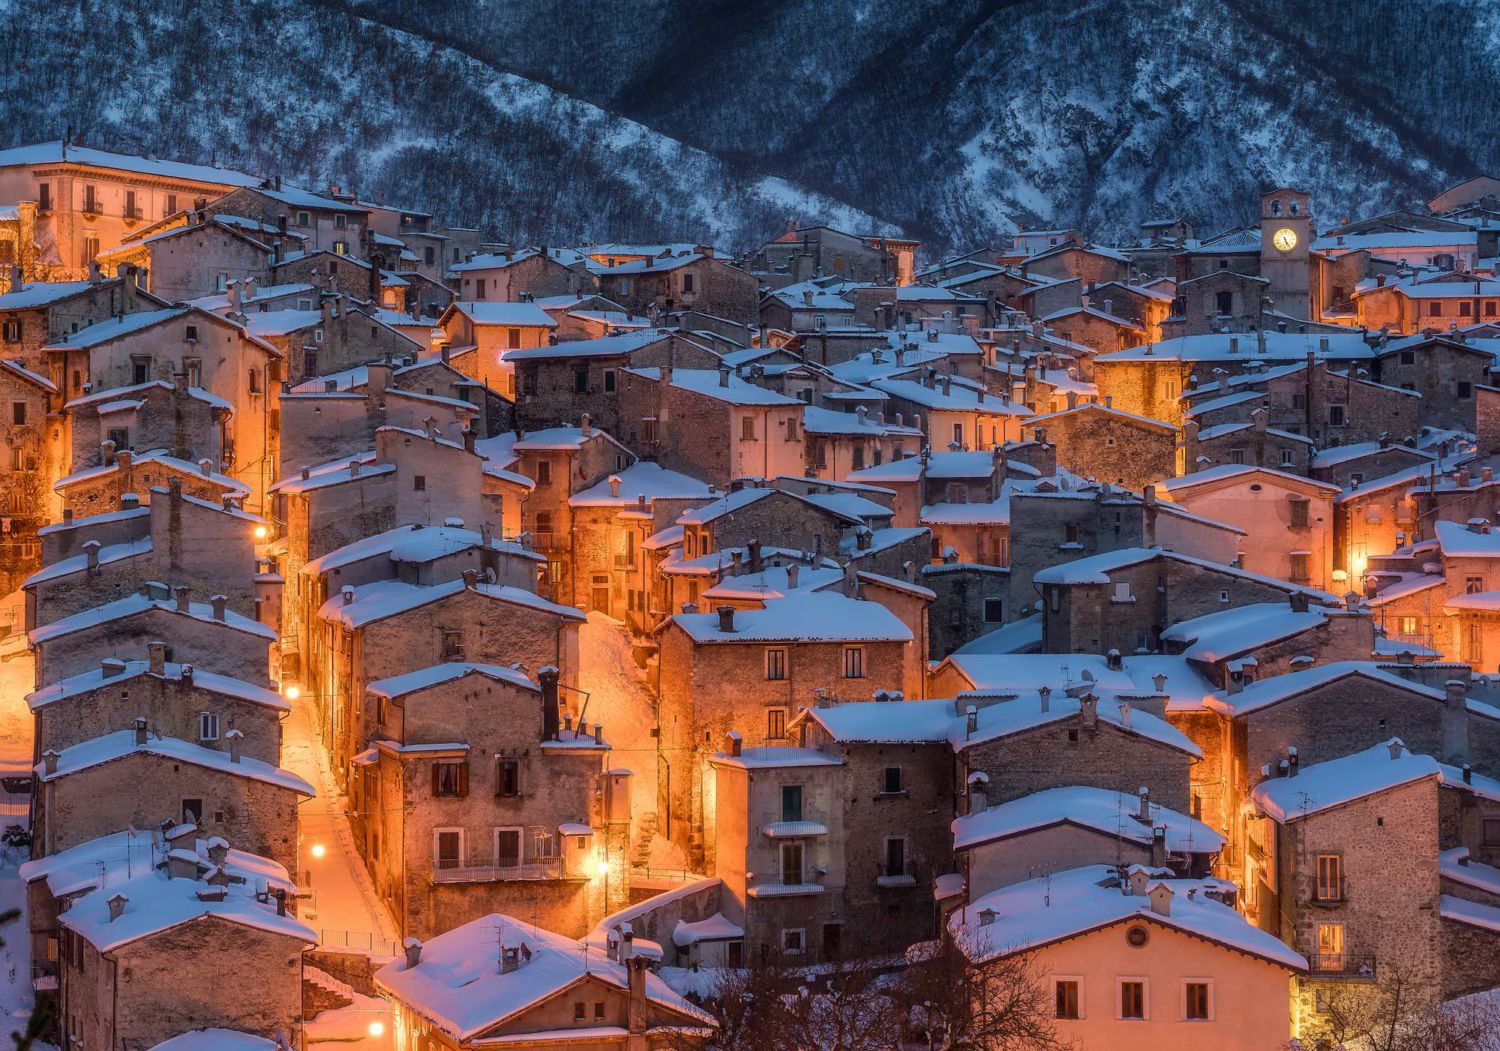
(1285, 236)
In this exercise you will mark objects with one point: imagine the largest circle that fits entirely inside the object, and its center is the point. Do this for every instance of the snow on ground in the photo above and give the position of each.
(16, 996)
(17, 677)
(350, 1027)
(621, 699)
(343, 906)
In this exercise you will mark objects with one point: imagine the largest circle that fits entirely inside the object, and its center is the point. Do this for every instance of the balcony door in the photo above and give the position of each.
(507, 847)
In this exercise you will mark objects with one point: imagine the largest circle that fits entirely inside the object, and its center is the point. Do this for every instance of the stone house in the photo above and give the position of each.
(481, 794)
(1023, 741)
(186, 422)
(481, 333)
(560, 384)
(1267, 639)
(1444, 370)
(1412, 304)
(970, 599)
(1218, 301)
(385, 628)
(1350, 466)
(342, 274)
(203, 634)
(1090, 264)
(524, 984)
(748, 671)
(119, 478)
(779, 847)
(935, 477)
(34, 314)
(711, 424)
(1253, 444)
(1063, 828)
(198, 258)
(1354, 841)
(806, 307)
(34, 457)
(1132, 957)
(693, 281)
(212, 353)
(213, 710)
(323, 223)
(1299, 548)
(208, 547)
(529, 274)
(802, 253)
(1098, 330)
(127, 778)
(140, 930)
(953, 415)
(1123, 600)
(332, 337)
(1094, 440)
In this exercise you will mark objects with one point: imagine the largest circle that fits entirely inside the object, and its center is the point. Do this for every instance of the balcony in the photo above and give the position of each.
(1341, 966)
(624, 561)
(548, 541)
(886, 876)
(455, 870)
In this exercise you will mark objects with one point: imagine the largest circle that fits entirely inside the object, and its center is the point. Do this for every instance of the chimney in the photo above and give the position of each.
(157, 656)
(129, 501)
(1298, 601)
(49, 760)
(1113, 661)
(1159, 682)
(1161, 899)
(735, 743)
(17, 277)
(979, 792)
(140, 729)
(547, 679)
(755, 562)
(1088, 708)
(1159, 847)
(234, 737)
(792, 572)
(347, 594)
(1396, 747)
(91, 551)
(117, 905)
(1293, 761)
(182, 864)
(111, 667)
(971, 721)
(413, 949)
(723, 375)
(614, 479)
(736, 562)
(1456, 722)
(510, 959)
(726, 618)
(471, 578)
(1143, 811)
(1125, 715)
(1045, 693)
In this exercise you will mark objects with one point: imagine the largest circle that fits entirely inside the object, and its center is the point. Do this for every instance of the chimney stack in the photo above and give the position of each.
(1159, 847)
(1088, 708)
(413, 949)
(183, 594)
(219, 604)
(726, 618)
(156, 652)
(1144, 810)
(736, 744)
(140, 730)
(1161, 899)
(117, 905)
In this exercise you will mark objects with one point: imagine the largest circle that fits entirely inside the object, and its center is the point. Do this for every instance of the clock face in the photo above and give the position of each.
(1284, 239)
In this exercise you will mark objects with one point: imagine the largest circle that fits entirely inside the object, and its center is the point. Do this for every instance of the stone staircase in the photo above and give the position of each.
(321, 991)
(645, 832)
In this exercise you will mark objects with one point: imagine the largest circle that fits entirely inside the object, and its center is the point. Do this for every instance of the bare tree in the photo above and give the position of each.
(848, 1007)
(997, 1004)
(754, 1009)
(1400, 1013)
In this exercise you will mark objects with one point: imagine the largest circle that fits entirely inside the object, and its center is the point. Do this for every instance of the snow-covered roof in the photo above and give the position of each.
(458, 985)
(412, 543)
(1225, 633)
(1098, 409)
(108, 554)
(437, 674)
(1095, 569)
(1112, 813)
(644, 478)
(33, 294)
(59, 152)
(1377, 769)
(109, 394)
(886, 722)
(121, 743)
(713, 928)
(212, 682)
(520, 315)
(605, 346)
(1026, 712)
(217, 1040)
(131, 605)
(335, 472)
(774, 757)
(387, 598)
(1077, 901)
(123, 325)
(132, 865)
(801, 617)
(956, 397)
(1459, 541)
(1278, 688)
(720, 385)
(231, 486)
(948, 464)
(1232, 471)
(1339, 454)
(1223, 346)
(771, 582)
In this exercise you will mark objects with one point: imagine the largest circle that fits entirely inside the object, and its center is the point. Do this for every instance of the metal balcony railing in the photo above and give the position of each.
(1343, 966)
(493, 870)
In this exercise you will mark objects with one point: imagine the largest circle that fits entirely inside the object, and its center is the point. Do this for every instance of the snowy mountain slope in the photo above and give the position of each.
(954, 119)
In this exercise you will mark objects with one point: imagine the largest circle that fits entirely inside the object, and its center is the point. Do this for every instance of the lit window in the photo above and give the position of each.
(776, 664)
(854, 662)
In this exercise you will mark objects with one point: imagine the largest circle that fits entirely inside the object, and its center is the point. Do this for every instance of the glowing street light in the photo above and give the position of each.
(291, 691)
(318, 850)
(601, 867)
(377, 1028)
(261, 532)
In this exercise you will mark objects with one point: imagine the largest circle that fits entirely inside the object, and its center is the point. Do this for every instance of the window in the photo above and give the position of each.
(895, 856)
(1336, 416)
(1070, 534)
(44, 197)
(190, 333)
(18, 413)
(891, 782)
(747, 428)
(450, 779)
(479, 288)
(1224, 302)
(192, 811)
(208, 726)
(544, 521)
(1065, 997)
(793, 941)
(1197, 1001)
(648, 431)
(453, 645)
(1287, 459)
(304, 219)
(120, 436)
(791, 864)
(580, 381)
(131, 210)
(1122, 592)
(508, 777)
(13, 330)
(1299, 571)
(1491, 832)
(543, 472)
(1330, 878)
(1299, 513)
(340, 221)
(598, 1009)
(90, 245)
(1237, 456)
(791, 802)
(140, 370)
(958, 434)
(1132, 999)
(1465, 390)
(507, 847)
(687, 283)
(1408, 625)
(1330, 947)
(513, 338)
(994, 610)
(854, 662)
(609, 381)
(775, 724)
(419, 483)
(776, 664)
(91, 199)
(578, 1011)
(1473, 585)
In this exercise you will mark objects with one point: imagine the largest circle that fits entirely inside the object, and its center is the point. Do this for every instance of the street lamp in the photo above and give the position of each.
(318, 850)
(377, 1028)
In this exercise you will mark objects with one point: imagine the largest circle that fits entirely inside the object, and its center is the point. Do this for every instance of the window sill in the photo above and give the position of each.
(1130, 601)
(901, 794)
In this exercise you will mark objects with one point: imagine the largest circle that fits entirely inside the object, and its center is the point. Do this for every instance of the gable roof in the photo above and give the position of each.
(1099, 809)
(388, 598)
(1380, 768)
(121, 743)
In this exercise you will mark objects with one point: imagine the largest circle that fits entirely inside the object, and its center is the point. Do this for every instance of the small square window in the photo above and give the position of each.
(994, 611)
(891, 782)
(419, 483)
(793, 941)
